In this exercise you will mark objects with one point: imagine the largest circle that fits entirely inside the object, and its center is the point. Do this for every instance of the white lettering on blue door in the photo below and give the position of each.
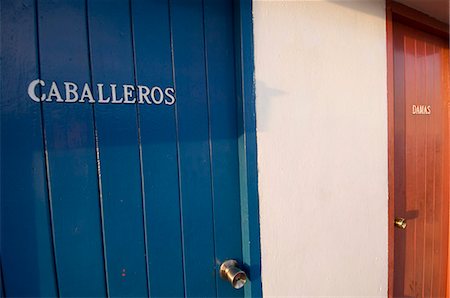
(72, 94)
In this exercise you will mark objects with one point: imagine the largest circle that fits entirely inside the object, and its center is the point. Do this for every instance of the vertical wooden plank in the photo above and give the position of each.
(439, 223)
(112, 63)
(436, 226)
(444, 194)
(190, 84)
(159, 150)
(414, 162)
(431, 132)
(2, 288)
(446, 108)
(71, 150)
(439, 183)
(219, 43)
(437, 229)
(420, 161)
(412, 205)
(26, 239)
(402, 239)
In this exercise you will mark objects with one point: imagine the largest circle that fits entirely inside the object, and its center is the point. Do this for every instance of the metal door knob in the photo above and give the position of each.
(230, 271)
(400, 222)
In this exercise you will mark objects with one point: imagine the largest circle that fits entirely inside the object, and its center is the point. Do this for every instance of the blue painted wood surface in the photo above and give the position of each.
(69, 133)
(26, 237)
(145, 199)
(159, 151)
(193, 148)
(219, 40)
(116, 124)
(248, 169)
(2, 288)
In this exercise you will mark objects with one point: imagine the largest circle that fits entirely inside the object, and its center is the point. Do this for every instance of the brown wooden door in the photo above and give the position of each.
(421, 162)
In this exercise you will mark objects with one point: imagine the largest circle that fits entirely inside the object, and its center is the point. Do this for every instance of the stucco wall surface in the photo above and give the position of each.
(321, 99)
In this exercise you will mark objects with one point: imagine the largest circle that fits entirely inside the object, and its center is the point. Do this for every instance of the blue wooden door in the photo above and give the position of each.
(119, 148)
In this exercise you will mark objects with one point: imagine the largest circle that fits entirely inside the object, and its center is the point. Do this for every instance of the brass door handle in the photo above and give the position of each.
(230, 271)
(400, 223)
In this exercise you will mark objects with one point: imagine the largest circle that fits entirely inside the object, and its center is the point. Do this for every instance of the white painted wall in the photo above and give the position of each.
(322, 146)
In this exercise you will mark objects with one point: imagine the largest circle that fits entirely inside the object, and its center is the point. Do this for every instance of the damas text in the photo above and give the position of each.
(421, 110)
(103, 94)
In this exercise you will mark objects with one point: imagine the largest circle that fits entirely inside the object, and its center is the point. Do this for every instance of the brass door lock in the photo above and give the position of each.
(230, 271)
(400, 223)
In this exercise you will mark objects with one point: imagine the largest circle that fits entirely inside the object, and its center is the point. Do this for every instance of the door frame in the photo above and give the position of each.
(396, 12)
(247, 146)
